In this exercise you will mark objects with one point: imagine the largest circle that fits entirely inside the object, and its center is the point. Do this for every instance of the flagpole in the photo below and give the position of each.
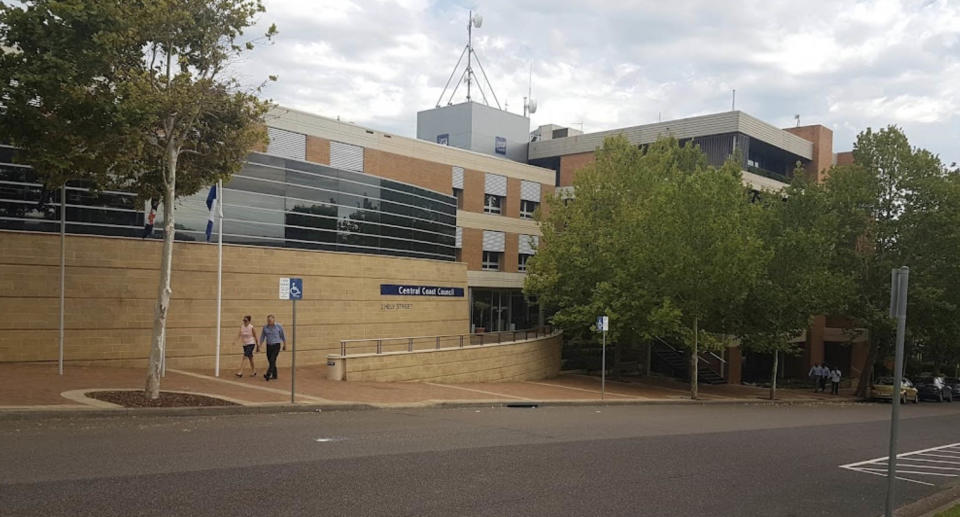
(219, 268)
(63, 263)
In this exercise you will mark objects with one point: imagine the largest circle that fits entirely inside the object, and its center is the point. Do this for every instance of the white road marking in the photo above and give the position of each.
(597, 392)
(501, 395)
(247, 385)
(917, 463)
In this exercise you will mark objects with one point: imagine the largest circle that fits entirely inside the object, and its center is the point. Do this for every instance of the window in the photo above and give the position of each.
(458, 255)
(492, 203)
(491, 261)
(522, 262)
(458, 193)
(527, 208)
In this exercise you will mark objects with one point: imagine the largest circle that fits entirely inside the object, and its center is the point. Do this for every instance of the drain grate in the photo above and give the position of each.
(523, 404)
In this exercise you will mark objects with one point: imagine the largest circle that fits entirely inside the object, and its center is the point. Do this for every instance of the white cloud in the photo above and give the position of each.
(847, 65)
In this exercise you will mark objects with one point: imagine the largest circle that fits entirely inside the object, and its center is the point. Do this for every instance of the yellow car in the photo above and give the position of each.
(882, 389)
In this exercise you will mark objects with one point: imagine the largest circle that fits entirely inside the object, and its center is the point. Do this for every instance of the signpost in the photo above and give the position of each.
(292, 289)
(898, 309)
(603, 325)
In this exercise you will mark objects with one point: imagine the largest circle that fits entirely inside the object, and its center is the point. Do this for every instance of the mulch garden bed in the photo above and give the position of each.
(135, 399)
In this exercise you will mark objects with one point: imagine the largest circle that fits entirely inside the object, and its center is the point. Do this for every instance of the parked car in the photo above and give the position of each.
(954, 384)
(882, 389)
(933, 388)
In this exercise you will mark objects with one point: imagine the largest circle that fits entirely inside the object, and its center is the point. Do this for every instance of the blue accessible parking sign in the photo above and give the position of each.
(296, 288)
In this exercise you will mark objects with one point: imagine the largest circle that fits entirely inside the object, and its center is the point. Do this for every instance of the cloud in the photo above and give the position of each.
(846, 65)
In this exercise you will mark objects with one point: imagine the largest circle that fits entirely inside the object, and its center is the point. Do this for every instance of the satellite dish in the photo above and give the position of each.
(532, 105)
(477, 21)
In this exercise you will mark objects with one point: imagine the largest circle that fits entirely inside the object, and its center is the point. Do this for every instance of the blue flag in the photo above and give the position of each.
(212, 205)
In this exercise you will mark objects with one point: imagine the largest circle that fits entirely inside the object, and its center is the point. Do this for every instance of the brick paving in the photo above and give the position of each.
(39, 385)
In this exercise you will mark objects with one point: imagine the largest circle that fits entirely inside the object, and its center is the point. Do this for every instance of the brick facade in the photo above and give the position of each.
(822, 159)
(111, 287)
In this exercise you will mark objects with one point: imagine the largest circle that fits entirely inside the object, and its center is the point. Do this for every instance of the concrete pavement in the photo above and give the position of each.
(666, 460)
(26, 386)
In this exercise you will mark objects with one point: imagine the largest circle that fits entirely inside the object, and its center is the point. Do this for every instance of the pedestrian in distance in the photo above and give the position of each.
(814, 375)
(248, 340)
(835, 381)
(824, 376)
(272, 336)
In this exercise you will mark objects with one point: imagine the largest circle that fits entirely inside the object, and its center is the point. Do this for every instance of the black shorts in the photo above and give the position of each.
(248, 350)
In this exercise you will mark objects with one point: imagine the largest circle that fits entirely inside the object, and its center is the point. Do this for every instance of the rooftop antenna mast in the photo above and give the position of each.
(529, 103)
(468, 75)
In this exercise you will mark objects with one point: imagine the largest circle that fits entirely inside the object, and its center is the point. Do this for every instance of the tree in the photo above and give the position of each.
(874, 198)
(134, 96)
(656, 239)
(930, 245)
(798, 234)
(701, 251)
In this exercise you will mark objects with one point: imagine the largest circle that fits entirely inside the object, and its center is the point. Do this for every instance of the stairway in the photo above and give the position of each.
(678, 362)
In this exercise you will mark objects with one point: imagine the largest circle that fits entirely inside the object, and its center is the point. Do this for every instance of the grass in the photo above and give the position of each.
(953, 512)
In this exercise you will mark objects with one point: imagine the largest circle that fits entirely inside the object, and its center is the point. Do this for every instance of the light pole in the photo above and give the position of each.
(898, 309)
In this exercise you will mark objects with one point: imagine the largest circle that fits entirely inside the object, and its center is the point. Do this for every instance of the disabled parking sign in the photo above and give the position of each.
(291, 289)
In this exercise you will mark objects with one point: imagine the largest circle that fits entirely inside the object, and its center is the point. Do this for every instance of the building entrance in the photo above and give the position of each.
(495, 310)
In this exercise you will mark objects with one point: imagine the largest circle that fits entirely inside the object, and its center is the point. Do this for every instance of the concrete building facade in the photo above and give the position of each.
(350, 208)
(496, 199)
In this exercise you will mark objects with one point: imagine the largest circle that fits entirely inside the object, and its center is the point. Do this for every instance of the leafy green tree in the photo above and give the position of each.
(881, 192)
(131, 95)
(656, 239)
(798, 234)
(930, 245)
(700, 251)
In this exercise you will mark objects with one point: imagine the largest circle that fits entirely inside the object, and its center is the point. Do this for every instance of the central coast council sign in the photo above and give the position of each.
(420, 290)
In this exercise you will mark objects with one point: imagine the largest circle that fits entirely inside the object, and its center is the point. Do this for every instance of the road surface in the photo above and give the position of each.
(668, 460)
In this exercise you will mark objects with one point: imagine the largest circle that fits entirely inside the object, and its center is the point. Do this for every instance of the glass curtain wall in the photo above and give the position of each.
(272, 201)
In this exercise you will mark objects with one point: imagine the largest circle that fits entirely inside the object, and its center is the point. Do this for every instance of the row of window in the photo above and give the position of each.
(494, 204)
(493, 261)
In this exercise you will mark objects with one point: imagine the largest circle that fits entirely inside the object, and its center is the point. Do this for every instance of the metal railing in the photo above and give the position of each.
(420, 343)
(700, 357)
(783, 178)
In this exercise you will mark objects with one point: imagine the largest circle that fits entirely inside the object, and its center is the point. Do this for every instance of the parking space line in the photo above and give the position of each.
(914, 463)
(884, 474)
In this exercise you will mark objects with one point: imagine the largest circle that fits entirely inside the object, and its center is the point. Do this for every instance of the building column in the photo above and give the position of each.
(814, 351)
(734, 365)
(858, 359)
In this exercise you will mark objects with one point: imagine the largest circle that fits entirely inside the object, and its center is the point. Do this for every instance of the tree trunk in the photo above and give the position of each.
(773, 375)
(617, 358)
(866, 375)
(694, 358)
(158, 339)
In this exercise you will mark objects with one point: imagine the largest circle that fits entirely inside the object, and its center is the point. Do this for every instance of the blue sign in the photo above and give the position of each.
(420, 290)
(603, 323)
(443, 139)
(296, 288)
(501, 147)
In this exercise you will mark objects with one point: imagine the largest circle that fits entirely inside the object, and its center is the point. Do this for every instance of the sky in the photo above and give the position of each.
(600, 65)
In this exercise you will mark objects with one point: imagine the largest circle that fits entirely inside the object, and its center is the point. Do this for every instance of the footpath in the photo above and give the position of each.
(38, 387)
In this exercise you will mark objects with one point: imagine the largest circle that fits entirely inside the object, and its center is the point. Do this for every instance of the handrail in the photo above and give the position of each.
(461, 340)
(699, 357)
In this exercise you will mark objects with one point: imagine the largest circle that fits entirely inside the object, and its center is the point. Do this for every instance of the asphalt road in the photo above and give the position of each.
(579, 461)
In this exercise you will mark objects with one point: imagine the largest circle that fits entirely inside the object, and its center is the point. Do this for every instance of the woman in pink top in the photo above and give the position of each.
(248, 339)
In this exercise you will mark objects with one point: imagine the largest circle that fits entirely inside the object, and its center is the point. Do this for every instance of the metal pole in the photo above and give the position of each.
(293, 355)
(219, 270)
(603, 367)
(63, 266)
(898, 307)
(469, 50)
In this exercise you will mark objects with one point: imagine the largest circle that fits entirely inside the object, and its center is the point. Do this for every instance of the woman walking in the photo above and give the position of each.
(248, 339)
